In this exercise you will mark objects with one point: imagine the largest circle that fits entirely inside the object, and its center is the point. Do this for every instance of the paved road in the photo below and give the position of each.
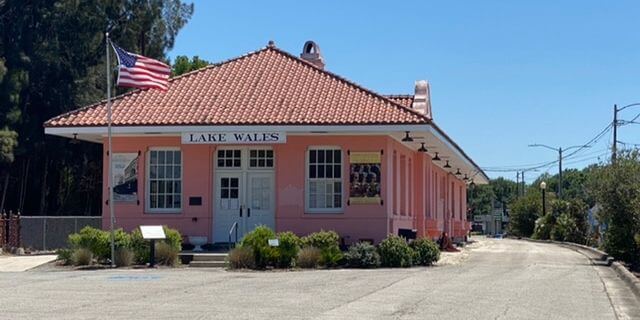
(498, 279)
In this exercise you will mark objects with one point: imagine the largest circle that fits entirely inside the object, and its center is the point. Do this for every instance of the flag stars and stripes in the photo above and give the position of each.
(141, 72)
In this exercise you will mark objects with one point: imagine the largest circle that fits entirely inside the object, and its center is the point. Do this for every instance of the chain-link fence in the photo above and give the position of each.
(51, 232)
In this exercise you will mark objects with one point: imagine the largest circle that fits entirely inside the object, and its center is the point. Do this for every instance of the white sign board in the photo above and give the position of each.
(152, 232)
(248, 137)
(274, 242)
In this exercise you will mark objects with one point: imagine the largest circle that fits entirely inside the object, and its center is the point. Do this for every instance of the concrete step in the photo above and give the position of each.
(207, 264)
(209, 257)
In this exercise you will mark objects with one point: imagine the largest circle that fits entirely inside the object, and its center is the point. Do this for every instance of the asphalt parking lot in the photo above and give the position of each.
(497, 279)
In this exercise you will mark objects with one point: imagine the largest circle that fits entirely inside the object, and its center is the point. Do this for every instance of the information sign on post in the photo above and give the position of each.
(152, 233)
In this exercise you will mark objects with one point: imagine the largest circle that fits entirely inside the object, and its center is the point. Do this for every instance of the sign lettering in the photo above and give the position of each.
(233, 137)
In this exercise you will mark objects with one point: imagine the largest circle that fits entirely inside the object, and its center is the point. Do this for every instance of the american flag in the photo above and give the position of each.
(141, 72)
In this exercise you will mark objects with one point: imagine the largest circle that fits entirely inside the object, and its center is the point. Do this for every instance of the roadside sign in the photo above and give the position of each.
(152, 232)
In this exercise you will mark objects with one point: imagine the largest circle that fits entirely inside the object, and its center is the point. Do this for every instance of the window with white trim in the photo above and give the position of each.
(324, 180)
(229, 158)
(260, 158)
(165, 180)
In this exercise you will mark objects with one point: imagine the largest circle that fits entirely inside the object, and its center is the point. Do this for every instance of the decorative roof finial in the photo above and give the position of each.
(271, 44)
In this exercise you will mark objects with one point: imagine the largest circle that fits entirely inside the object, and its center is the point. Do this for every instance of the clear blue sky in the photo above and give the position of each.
(503, 74)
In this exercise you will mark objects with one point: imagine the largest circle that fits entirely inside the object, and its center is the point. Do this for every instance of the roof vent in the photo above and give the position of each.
(311, 53)
(422, 98)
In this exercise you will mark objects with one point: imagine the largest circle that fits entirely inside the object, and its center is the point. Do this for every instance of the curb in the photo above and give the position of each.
(597, 258)
(628, 277)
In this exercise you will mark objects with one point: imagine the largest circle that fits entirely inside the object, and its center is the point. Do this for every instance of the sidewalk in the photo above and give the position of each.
(454, 258)
(23, 263)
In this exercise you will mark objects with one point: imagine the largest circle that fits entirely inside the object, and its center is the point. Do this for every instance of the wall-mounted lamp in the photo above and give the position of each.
(75, 139)
(422, 148)
(407, 138)
(465, 177)
(446, 165)
(458, 172)
(436, 158)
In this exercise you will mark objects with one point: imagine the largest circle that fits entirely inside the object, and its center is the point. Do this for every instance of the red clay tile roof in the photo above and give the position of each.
(265, 87)
(401, 99)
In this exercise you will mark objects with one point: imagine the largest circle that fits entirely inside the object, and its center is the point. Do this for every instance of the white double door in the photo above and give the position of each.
(245, 196)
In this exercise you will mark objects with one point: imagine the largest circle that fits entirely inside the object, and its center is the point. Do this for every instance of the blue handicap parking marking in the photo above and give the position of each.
(128, 277)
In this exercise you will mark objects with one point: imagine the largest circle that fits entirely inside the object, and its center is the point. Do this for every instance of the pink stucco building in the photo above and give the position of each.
(275, 139)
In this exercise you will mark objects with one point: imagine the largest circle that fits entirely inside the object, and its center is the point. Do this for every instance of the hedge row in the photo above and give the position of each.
(321, 249)
(92, 245)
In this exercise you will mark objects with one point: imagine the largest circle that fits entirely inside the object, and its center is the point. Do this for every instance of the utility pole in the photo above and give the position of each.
(523, 185)
(559, 151)
(560, 172)
(614, 146)
(518, 183)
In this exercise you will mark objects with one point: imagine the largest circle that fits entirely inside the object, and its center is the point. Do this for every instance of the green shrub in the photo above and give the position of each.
(64, 255)
(95, 240)
(241, 258)
(543, 228)
(99, 241)
(258, 241)
(166, 254)
(362, 255)
(329, 244)
(174, 238)
(140, 246)
(124, 257)
(82, 257)
(395, 252)
(287, 249)
(426, 252)
(308, 258)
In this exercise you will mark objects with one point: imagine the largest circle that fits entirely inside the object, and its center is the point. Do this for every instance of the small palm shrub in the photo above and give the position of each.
(258, 240)
(166, 254)
(82, 257)
(362, 255)
(124, 257)
(395, 252)
(308, 258)
(288, 248)
(329, 244)
(241, 258)
(426, 252)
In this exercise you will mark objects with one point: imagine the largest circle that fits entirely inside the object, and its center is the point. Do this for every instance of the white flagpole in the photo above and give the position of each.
(110, 155)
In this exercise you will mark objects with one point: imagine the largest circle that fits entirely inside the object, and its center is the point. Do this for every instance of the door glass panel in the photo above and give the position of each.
(229, 193)
(260, 193)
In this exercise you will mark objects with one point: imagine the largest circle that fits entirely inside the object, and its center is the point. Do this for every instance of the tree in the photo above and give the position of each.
(480, 199)
(53, 61)
(617, 190)
(183, 65)
(525, 211)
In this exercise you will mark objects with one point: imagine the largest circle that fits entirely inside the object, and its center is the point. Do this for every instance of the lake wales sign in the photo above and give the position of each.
(249, 137)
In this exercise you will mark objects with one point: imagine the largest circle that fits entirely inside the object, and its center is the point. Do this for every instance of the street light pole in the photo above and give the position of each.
(543, 187)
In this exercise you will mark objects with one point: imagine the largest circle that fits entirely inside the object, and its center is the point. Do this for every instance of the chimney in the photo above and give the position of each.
(422, 98)
(311, 53)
